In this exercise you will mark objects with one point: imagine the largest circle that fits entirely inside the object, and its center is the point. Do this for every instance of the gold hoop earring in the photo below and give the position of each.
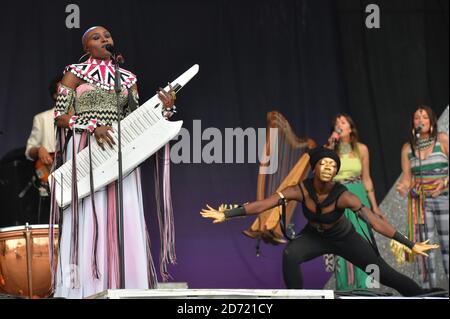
(431, 130)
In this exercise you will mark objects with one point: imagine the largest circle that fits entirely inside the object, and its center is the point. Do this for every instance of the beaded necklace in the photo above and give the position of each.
(345, 148)
(424, 143)
(101, 73)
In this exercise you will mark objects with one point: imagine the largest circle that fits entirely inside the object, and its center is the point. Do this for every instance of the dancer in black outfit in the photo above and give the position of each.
(327, 230)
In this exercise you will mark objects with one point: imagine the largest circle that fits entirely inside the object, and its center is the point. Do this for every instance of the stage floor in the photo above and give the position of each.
(214, 294)
(180, 290)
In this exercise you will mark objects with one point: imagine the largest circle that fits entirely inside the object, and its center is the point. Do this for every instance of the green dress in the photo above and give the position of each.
(348, 276)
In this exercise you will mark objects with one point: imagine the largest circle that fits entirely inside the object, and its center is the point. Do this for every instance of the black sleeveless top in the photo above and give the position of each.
(318, 217)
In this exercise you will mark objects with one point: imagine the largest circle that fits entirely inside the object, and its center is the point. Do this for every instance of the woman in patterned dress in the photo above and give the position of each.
(86, 106)
(425, 182)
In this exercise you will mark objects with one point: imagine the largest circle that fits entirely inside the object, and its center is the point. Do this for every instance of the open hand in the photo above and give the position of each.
(421, 248)
(215, 214)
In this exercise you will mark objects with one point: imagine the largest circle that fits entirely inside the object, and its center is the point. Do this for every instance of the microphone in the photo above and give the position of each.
(115, 56)
(333, 138)
(339, 131)
(110, 49)
(418, 129)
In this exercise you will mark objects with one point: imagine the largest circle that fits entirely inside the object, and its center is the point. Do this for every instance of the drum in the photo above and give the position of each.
(24, 260)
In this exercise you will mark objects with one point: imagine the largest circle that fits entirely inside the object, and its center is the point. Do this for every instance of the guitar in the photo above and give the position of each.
(42, 170)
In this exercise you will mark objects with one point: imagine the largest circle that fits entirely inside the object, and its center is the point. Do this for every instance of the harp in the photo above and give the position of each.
(293, 167)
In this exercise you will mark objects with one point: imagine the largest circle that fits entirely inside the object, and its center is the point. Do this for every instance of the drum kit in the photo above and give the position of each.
(24, 248)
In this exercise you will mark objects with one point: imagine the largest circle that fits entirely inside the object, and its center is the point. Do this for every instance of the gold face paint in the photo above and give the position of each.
(328, 168)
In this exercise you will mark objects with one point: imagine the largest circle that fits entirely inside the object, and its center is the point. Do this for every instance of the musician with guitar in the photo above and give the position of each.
(89, 261)
(41, 143)
(40, 148)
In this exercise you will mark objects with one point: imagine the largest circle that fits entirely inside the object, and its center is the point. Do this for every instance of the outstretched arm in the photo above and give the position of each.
(380, 225)
(253, 208)
(290, 193)
(351, 201)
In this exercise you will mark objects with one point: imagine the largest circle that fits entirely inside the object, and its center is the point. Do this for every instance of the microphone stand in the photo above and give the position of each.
(420, 185)
(121, 243)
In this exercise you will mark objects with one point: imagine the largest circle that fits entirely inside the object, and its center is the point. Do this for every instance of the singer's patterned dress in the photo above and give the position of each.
(88, 257)
(428, 215)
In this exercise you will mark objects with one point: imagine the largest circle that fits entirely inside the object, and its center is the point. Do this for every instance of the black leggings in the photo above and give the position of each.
(344, 241)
